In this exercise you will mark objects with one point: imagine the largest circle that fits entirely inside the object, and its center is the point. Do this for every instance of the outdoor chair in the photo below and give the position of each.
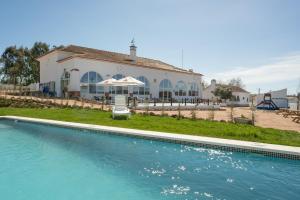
(120, 107)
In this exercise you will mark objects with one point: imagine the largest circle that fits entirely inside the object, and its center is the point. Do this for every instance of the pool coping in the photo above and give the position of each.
(273, 150)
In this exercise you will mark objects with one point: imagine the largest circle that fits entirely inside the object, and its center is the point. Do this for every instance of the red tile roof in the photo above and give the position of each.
(89, 53)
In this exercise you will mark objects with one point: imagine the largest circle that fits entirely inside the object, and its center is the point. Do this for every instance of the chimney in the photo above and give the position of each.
(133, 51)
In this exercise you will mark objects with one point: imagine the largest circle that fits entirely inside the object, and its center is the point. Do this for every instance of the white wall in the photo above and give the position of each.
(208, 92)
(154, 76)
(74, 83)
(244, 97)
(52, 71)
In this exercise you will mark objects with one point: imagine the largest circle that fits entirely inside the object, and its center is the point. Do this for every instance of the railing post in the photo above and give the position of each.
(184, 101)
(171, 101)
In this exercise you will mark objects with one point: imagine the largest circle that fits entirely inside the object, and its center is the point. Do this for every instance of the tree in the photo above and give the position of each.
(223, 92)
(58, 47)
(38, 49)
(205, 84)
(14, 65)
(236, 82)
(19, 65)
(8, 60)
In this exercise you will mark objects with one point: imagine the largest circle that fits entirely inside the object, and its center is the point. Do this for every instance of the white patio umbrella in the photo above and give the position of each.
(124, 82)
(129, 81)
(84, 84)
(107, 82)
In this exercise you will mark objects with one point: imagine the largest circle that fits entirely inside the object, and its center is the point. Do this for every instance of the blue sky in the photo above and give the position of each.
(257, 40)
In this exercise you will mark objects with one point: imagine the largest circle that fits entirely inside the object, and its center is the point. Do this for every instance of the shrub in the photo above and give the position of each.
(253, 114)
(5, 102)
(152, 114)
(174, 116)
(146, 107)
(193, 114)
(164, 115)
(163, 110)
(231, 115)
(178, 112)
(145, 113)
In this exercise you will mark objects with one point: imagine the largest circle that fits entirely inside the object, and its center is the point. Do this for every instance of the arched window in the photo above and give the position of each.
(118, 76)
(180, 89)
(165, 89)
(88, 83)
(143, 90)
(193, 90)
(118, 89)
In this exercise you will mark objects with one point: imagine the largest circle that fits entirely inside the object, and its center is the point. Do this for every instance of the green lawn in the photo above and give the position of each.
(163, 124)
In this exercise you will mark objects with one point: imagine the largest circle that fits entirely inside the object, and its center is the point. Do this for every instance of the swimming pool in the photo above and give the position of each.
(47, 162)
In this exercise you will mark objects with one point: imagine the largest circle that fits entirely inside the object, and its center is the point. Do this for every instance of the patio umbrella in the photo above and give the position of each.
(129, 81)
(124, 82)
(84, 84)
(107, 82)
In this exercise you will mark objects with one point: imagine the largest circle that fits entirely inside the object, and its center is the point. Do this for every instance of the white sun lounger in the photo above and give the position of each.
(120, 107)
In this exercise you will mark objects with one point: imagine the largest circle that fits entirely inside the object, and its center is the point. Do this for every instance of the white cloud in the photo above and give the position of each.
(282, 69)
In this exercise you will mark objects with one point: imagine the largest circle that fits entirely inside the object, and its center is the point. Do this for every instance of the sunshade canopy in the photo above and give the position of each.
(107, 82)
(127, 81)
(130, 81)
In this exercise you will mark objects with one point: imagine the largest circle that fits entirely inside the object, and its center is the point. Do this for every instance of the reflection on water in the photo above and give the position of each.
(46, 162)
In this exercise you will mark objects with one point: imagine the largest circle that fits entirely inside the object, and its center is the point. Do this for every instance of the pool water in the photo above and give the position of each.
(47, 162)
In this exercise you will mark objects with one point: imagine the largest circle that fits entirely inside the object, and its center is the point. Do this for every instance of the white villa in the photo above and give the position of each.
(75, 71)
(241, 97)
